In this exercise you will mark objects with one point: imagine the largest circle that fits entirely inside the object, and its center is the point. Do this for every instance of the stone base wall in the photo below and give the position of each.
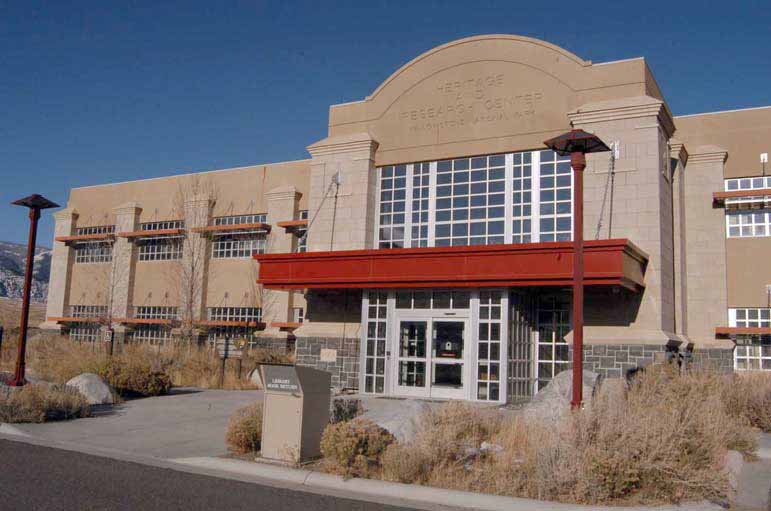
(719, 359)
(284, 345)
(335, 355)
(618, 360)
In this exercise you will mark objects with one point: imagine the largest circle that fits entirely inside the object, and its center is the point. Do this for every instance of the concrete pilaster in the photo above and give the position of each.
(642, 212)
(123, 266)
(705, 246)
(193, 266)
(678, 158)
(344, 214)
(61, 266)
(283, 204)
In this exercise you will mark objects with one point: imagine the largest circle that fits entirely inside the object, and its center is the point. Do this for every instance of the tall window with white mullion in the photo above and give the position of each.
(556, 197)
(489, 346)
(748, 224)
(93, 252)
(393, 192)
(375, 346)
(470, 201)
(238, 245)
(421, 181)
(552, 348)
(753, 352)
(522, 198)
(747, 183)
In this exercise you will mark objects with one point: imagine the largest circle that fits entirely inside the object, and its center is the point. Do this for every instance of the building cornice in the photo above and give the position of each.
(678, 151)
(708, 154)
(283, 193)
(129, 207)
(628, 108)
(66, 214)
(358, 142)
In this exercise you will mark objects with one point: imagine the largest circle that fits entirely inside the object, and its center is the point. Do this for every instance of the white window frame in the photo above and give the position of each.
(752, 226)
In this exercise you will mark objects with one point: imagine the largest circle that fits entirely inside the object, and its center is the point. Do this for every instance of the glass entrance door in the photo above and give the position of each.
(431, 366)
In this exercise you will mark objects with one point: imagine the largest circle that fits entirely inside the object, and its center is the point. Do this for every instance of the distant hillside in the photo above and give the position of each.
(12, 259)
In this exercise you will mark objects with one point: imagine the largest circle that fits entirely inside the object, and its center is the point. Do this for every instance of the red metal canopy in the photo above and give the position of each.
(616, 262)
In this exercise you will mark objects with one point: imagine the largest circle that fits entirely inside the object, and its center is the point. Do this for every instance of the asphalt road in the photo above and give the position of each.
(41, 478)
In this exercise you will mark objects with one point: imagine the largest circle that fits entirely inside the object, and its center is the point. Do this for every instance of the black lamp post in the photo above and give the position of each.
(35, 203)
(577, 143)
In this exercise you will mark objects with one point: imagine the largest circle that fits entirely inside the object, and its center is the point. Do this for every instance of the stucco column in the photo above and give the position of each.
(61, 266)
(123, 264)
(195, 259)
(642, 212)
(705, 246)
(345, 213)
(678, 158)
(283, 203)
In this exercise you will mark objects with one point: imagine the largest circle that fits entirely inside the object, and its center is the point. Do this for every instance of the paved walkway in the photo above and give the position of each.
(186, 423)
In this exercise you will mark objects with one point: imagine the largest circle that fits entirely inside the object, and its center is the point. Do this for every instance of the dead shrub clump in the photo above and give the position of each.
(355, 448)
(748, 396)
(245, 429)
(41, 403)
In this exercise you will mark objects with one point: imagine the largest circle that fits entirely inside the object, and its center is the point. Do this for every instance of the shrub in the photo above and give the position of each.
(345, 409)
(245, 429)
(354, 448)
(748, 397)
(41, 403)
(134, 376)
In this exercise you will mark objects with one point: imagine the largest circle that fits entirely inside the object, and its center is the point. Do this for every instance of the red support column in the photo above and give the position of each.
(18, 379)
(578, 162)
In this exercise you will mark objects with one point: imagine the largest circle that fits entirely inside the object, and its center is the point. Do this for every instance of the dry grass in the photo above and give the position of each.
(663, 440)
(41, 403)
(245, 429)
(355, 448)
(10, 312)
(57, 359)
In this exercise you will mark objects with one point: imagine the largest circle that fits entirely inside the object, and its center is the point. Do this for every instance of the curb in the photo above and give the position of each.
(414, 493)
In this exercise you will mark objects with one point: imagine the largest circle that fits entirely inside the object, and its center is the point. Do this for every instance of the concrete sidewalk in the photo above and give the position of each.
(186, 423)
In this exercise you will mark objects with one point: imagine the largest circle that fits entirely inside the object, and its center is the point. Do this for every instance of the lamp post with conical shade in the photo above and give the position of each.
(577, 143)
(35, 203)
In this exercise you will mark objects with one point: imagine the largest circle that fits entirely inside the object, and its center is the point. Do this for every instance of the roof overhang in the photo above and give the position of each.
(732, 332)
(615, 262)
(742, 199)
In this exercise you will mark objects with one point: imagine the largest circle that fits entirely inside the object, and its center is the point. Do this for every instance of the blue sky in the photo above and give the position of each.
(94, 92)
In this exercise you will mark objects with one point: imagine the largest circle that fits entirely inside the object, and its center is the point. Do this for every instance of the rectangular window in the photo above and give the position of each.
(151, 334)
(84, 332)
(93, 252)
(235, 314)
(375, 350)
(298, 314)
(483, 200)
(162, 225)
(89, 311)
(236, 246)
(249, 314)
(489, 346)
(96, 229)
(160, 249)
(747, 183)
(393, 193)
(748, 224)
(155, 312)
(257, 218)
(433, 299)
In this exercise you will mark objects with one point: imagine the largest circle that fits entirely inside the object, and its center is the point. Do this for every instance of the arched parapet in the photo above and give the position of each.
(483, 93)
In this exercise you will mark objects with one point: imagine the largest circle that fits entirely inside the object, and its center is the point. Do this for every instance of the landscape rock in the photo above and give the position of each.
(401, 421)
(554, 399)
(255, 377)
(91, 386)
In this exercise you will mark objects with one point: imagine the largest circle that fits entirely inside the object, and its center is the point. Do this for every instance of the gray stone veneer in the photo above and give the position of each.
(720, 359)
(344, 367)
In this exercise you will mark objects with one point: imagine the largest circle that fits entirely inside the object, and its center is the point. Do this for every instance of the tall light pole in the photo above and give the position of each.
(577, 143)
(35, 203)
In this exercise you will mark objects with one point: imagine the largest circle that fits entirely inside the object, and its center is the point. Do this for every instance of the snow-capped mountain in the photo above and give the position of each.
(12, 259)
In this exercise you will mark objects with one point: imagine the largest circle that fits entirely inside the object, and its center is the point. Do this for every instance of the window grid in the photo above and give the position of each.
(489, 346)
(151, 334)
(375, 353)
(522, 198)
(298, 314)
(236, 246)
(747, 183)
(88, 311)
(556, 196)
(234, 314)
(96, 229)
(552, 350)
(748, 224)
(257, 218)
(393, 192)
(84, 332)
(433, 299)
(302, 233)
(160, 249)
(421, 186)
(470, 201)
(93, 252)
(162, 225)
(155, 312)
(753, 352)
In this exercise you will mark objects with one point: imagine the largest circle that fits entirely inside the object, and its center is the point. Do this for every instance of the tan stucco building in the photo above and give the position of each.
(424, 248)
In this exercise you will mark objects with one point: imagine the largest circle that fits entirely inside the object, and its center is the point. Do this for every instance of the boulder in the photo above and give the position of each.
(255, 377)
(91, 386)
(554, 399)
(398, 417)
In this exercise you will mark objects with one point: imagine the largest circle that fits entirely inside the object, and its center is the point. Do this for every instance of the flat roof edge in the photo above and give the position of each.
(717, 112)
